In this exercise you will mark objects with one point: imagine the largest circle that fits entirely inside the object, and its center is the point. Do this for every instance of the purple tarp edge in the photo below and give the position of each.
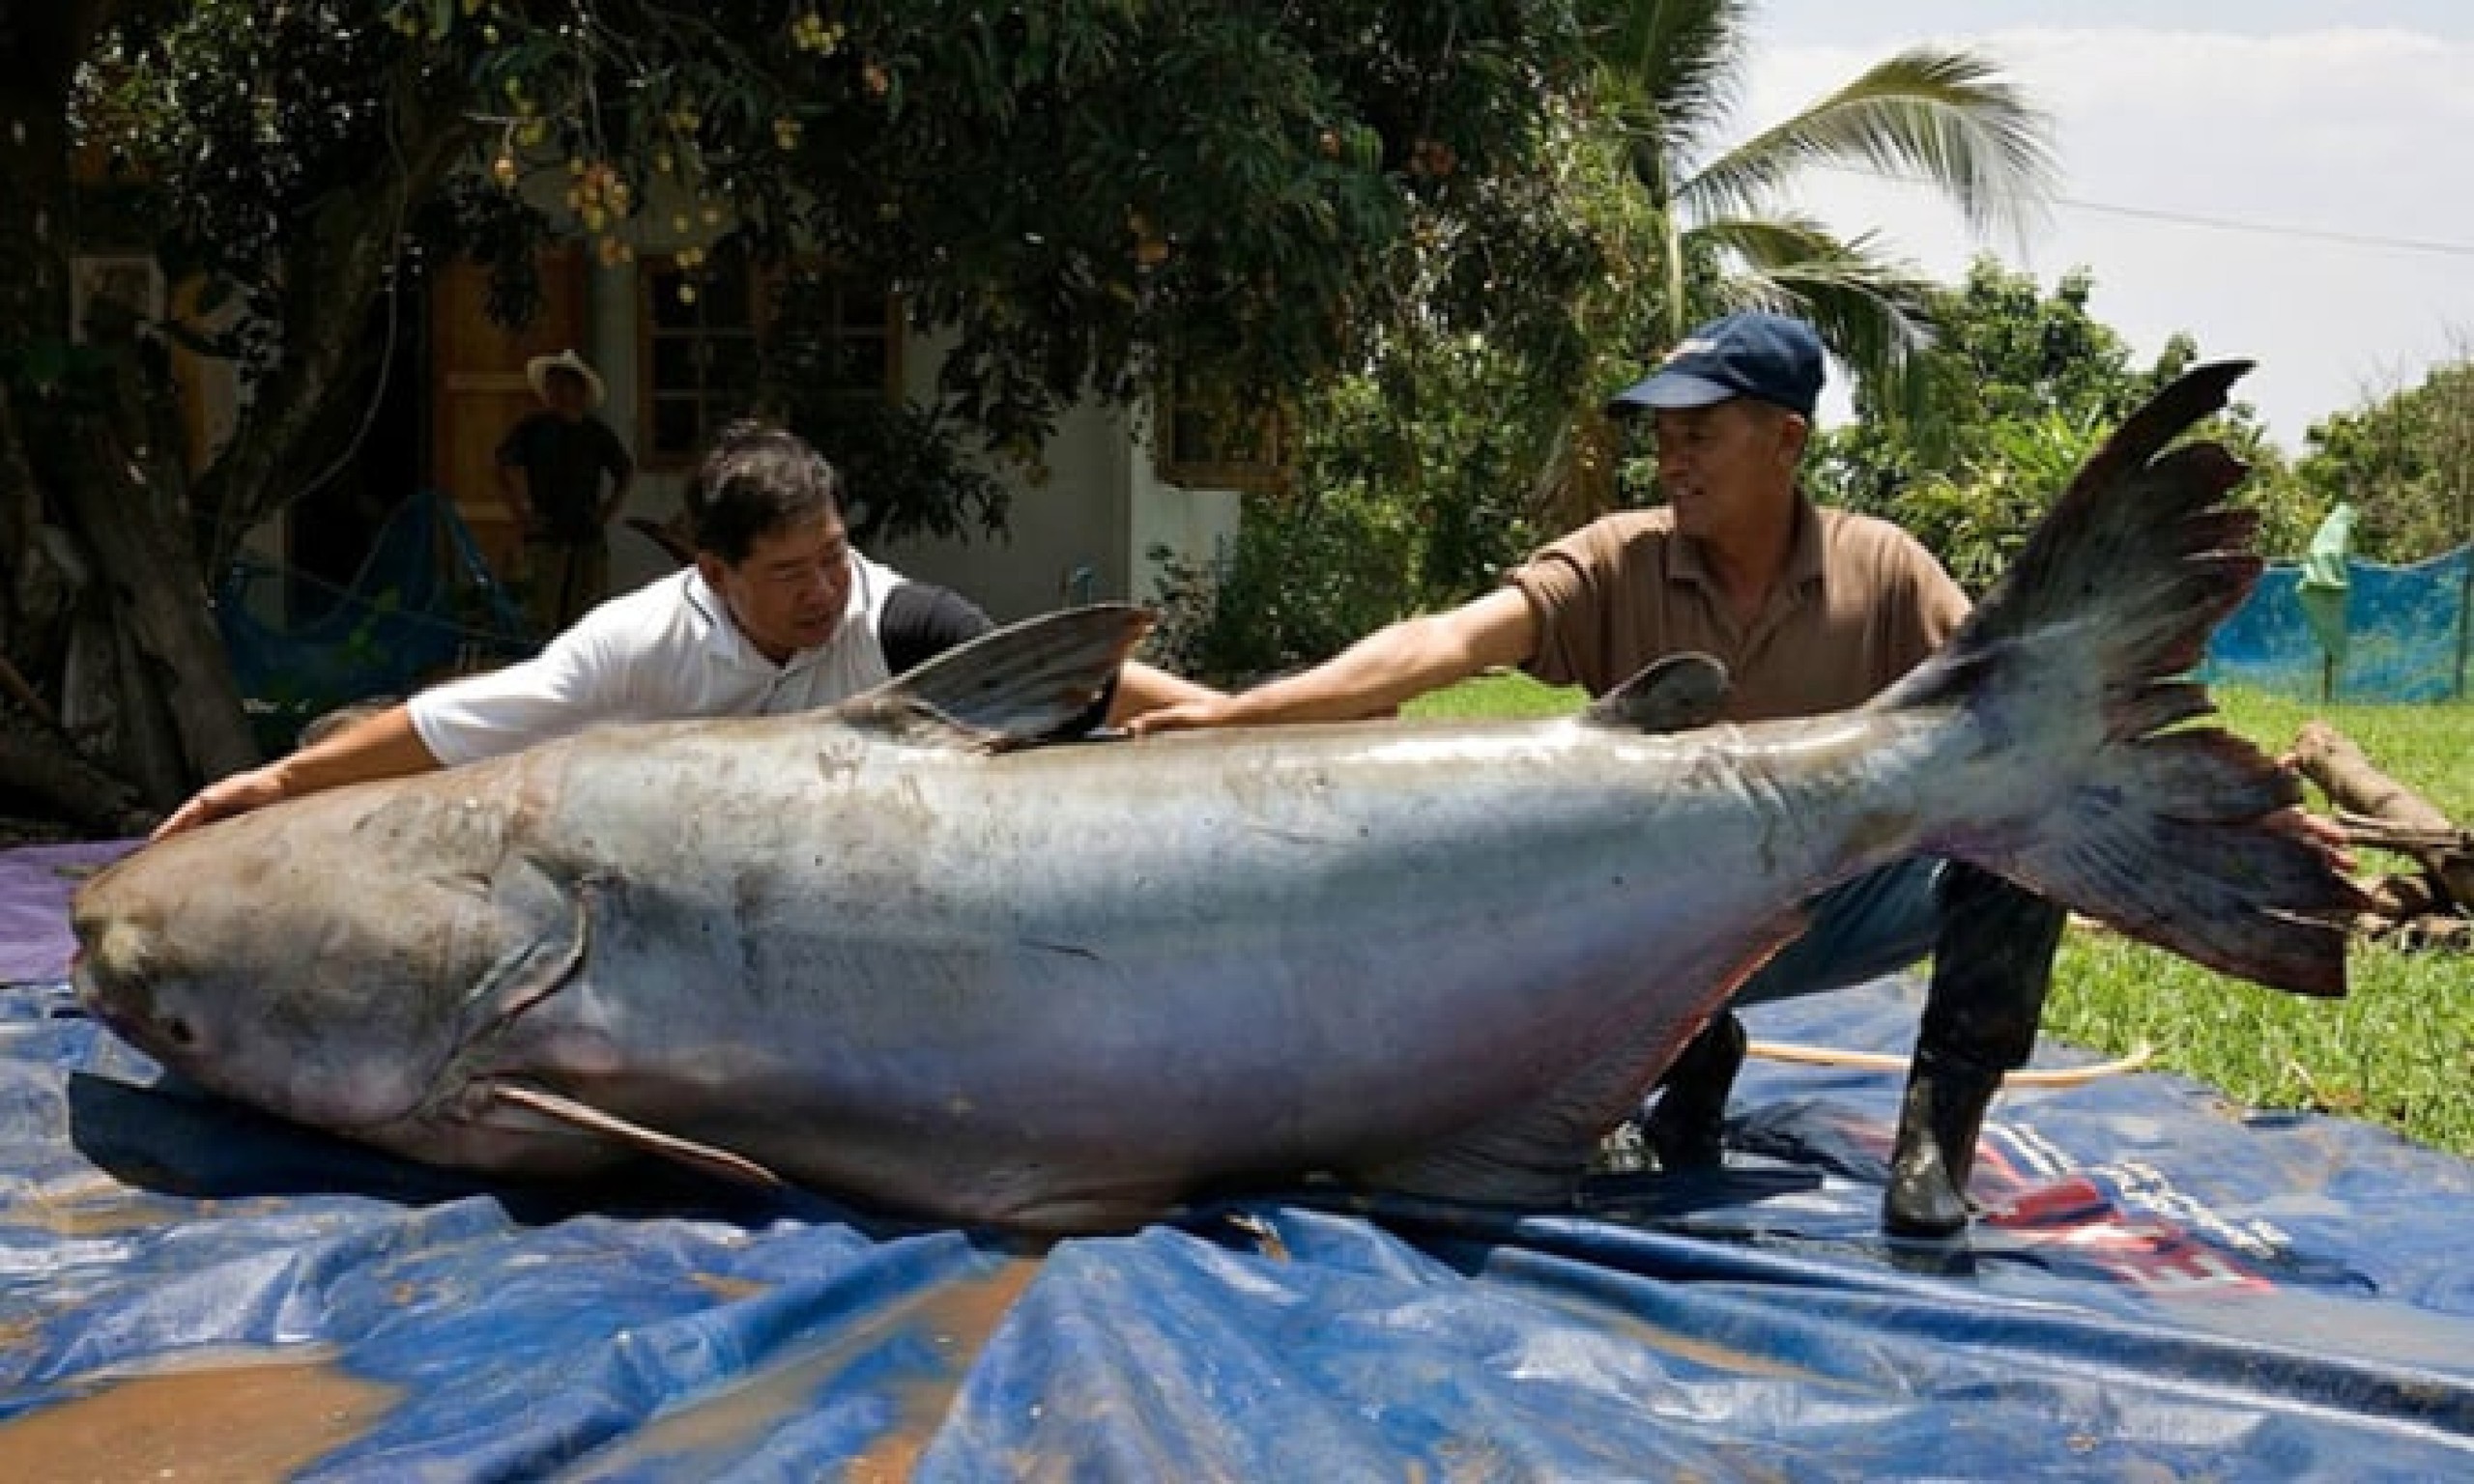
(35, 884)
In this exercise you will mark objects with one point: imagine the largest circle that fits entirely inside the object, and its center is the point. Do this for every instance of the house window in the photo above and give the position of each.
(699, 354)
(708, 347)
(838, 337)
(1202, 439)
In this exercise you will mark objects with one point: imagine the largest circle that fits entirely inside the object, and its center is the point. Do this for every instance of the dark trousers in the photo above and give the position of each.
(566, 577)
(1992, 944)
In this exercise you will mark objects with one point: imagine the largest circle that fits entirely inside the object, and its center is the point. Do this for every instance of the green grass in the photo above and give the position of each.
(2399, 1050)
(1508, 693)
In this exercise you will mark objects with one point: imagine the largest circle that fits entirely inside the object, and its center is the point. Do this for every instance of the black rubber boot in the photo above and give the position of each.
(1992, 964)
(1686, 1128)
(1938, 1121)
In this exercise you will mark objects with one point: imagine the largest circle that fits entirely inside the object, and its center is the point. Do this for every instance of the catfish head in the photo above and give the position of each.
(330, 960)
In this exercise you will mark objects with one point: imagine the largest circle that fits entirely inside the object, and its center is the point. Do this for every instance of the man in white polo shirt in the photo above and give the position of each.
(777, 614)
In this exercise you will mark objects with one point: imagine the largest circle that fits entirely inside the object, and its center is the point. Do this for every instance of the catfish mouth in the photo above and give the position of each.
(121, 1002)
(125, 1000)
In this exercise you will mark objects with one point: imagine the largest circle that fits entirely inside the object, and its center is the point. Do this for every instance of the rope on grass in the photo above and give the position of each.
(1876, 1061)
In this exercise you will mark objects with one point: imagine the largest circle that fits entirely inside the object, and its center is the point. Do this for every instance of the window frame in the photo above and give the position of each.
(653, 272)
(1260, 470)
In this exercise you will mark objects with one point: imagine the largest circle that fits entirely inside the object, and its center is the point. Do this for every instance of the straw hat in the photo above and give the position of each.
(538, 371)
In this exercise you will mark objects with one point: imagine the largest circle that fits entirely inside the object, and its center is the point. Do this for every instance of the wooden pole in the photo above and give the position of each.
(2331, 759)
(2465, 612)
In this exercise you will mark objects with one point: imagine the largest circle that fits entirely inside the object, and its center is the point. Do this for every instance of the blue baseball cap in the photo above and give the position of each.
(1770, 358)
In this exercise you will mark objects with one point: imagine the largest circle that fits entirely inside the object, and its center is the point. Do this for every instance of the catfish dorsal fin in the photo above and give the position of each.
(1674, 694)
(1040, 680)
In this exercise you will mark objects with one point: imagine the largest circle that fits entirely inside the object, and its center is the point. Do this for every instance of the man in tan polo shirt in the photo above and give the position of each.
(1812, 610)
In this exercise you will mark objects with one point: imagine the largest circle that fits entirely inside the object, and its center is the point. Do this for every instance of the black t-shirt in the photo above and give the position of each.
(562, 463)
(921, 621)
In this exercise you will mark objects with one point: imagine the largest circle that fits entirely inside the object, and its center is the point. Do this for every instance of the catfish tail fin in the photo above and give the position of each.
(2073, 666)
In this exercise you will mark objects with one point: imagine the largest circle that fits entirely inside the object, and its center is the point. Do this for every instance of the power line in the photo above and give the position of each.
(2270, 229)
(2218, 223)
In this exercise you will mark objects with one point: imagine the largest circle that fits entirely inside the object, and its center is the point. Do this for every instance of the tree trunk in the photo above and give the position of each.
(139, 539)
(335, 269)
(39, 768)
(44, 43)
(2331, 759)
(85, 525)
(38, 592)
(110, 709)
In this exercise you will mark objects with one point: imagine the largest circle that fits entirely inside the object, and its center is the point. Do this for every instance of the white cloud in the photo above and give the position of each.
(2348, 133)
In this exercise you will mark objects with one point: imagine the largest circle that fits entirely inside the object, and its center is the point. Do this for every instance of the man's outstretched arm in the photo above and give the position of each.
(383, 745)
(1142, 689)
(1374, 675)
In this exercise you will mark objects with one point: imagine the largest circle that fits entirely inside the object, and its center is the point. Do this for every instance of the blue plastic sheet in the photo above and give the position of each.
(2404, 627)
(423, 604)
(2161, 1287)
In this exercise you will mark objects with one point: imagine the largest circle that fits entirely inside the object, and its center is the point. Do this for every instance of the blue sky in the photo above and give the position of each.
(2289, 183)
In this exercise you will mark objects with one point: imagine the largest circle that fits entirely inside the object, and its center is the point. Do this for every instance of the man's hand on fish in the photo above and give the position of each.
(238, 794)
(376, 746)
(1183, 716)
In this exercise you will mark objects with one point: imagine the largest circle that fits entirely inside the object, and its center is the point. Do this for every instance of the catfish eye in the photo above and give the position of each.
(177, 1031)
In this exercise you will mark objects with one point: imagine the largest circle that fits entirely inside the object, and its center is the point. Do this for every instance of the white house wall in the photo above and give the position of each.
(1082, 534)
(1174, 524)
(1065, 538)
(609, 308)
(1087, 532)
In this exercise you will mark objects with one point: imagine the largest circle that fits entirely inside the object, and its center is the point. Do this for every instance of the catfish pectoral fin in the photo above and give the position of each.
(593, 1119)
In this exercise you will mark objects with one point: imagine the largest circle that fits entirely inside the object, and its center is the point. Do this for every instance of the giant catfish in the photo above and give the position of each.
(895, 952)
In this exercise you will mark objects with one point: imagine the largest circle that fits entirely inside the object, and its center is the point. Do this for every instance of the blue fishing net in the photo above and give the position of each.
(2403, 636)
(424, 605)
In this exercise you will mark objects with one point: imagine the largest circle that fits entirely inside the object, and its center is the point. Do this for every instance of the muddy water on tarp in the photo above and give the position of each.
(956, 1318)
(96, 1207)
(224, 1415)
(727, 1289)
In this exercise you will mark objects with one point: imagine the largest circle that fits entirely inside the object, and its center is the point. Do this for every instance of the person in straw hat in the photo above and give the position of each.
(563, 474)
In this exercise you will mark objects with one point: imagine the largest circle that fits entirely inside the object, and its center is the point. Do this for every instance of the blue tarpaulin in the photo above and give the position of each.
(422, 604)
(2405, 633)
(2164, 1286)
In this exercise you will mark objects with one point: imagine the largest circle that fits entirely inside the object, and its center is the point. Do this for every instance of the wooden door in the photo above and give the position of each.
(478, 387)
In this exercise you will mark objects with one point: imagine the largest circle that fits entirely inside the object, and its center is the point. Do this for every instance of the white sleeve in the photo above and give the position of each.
(577, 680)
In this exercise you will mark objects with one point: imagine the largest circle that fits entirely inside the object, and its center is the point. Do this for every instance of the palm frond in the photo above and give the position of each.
(1945, 119)
(1670, 70)
(1874, 311)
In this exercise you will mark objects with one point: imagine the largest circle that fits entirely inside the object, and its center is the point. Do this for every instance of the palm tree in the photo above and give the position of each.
(1668, 75)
